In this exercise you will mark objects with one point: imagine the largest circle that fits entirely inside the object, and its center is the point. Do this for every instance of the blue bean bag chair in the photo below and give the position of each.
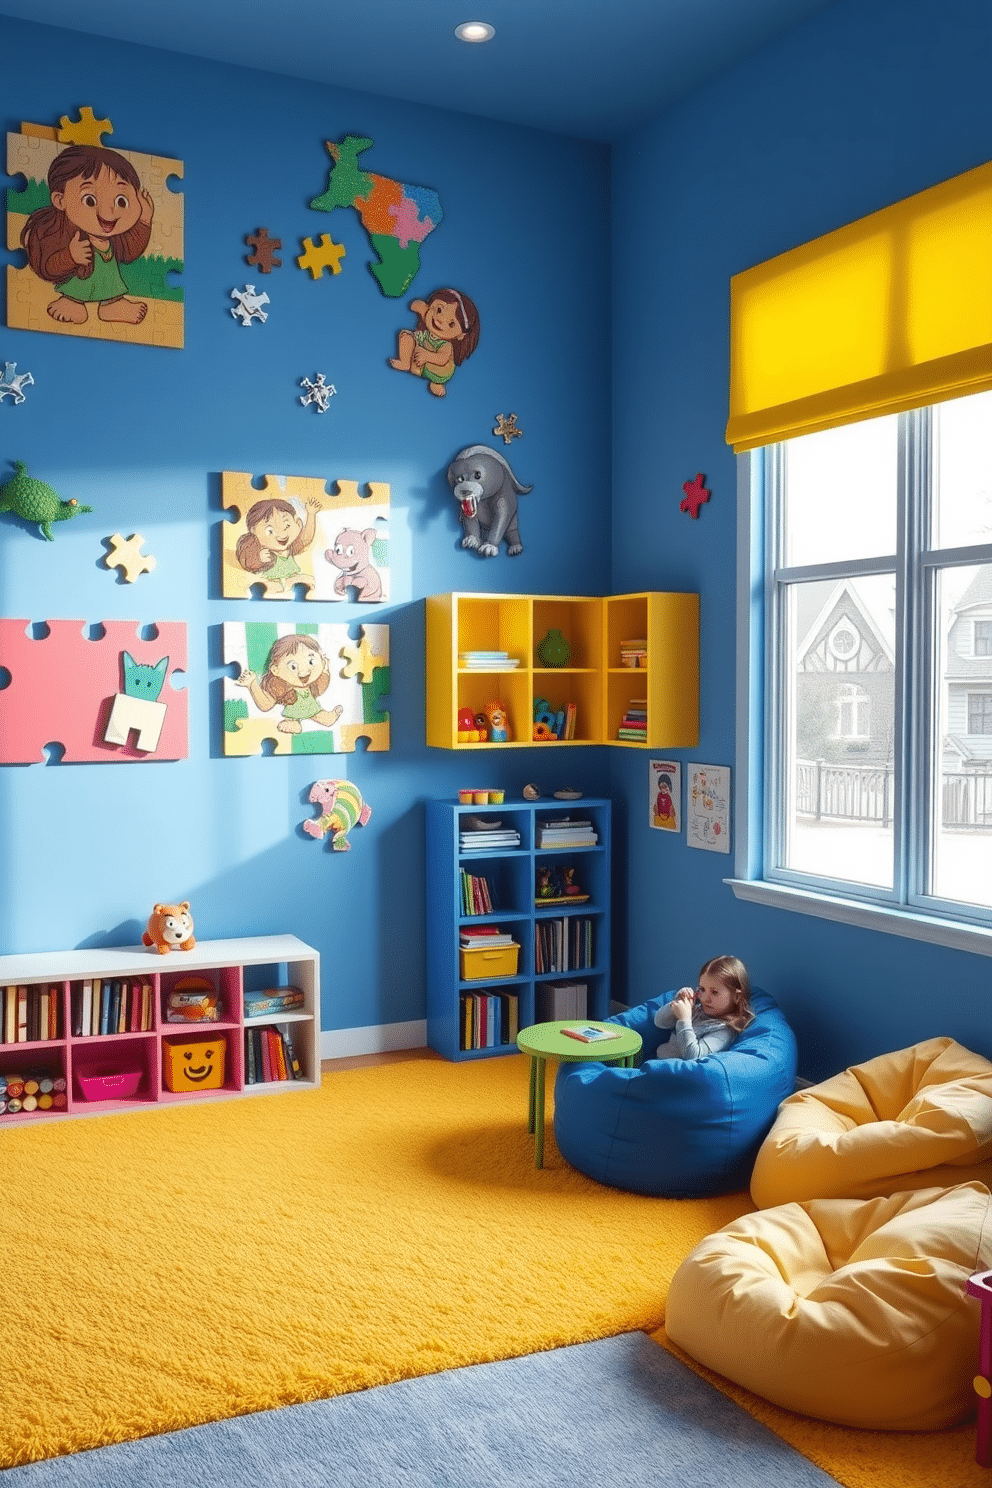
(677, 1127)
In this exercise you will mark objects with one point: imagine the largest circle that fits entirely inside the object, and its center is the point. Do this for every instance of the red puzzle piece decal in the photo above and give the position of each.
(695, 494)
(112, 699)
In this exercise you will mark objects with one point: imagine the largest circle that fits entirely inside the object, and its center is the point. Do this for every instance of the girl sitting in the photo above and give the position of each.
(709, 1019)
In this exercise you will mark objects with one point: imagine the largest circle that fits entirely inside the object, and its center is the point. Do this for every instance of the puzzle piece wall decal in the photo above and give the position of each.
(395, 215)
(64, 688)
(327, 255)
(126, 297)
(292, 533)
(128, 557)
(290, 689)
(264, 255)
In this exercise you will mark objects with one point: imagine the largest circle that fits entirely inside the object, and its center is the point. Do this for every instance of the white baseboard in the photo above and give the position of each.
(383, 1038)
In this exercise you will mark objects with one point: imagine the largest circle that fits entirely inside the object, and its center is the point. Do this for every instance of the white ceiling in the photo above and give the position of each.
(590, 68)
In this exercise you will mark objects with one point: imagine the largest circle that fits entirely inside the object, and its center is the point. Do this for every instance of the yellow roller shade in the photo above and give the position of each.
(888, 313)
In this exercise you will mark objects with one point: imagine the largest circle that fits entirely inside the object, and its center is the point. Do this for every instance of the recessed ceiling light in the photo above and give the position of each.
(475, 31)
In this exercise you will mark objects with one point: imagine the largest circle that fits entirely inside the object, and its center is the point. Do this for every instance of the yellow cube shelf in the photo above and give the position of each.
(598, 679)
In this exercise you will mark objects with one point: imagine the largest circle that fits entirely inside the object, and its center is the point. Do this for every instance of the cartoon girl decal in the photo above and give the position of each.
(296, 673)
(447, 333)
(664, 806)
(100, 217)
(276, 534)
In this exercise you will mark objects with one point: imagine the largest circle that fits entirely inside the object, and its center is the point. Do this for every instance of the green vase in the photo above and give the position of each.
(554, 650)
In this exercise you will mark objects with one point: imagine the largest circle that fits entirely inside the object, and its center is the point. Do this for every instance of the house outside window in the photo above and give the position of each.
(983, 638)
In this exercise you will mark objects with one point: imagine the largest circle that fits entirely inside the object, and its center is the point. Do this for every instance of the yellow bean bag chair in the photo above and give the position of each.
(918, 1118)
(852, 1311)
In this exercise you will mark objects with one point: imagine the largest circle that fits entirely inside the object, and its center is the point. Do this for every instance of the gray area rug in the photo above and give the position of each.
(619, 1411)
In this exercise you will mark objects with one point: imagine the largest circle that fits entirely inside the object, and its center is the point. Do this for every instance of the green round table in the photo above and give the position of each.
(544, 1041)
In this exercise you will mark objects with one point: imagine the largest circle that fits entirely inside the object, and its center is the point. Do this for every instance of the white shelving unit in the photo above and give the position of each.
(233, 966)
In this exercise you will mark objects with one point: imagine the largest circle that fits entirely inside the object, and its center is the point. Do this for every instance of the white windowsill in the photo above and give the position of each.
(890, 921)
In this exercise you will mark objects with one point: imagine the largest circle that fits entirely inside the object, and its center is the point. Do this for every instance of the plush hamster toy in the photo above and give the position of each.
(170, 928)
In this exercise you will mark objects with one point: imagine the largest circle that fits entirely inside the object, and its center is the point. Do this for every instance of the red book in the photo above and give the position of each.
(266, 1063)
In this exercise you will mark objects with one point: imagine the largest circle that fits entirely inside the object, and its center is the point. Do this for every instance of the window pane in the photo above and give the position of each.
(962, 790)
(839, 735)
(840, 493)
(963, 471)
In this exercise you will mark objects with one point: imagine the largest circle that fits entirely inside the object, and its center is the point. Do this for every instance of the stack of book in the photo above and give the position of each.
(555, 1001)
(483, 937)
(28, 1014)
(487, 837)
(634, 653)
(477, 895)
(566, 831)
(488, 1019)
(487, 661)
(634, 723)
(111, 1007)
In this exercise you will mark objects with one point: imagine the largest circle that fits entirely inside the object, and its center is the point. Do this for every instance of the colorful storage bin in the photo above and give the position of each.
(481, 964)
(190, 1064)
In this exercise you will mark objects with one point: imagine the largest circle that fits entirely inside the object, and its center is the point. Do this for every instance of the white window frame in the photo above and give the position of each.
(901, 913)
(853, 706)
(976, 692)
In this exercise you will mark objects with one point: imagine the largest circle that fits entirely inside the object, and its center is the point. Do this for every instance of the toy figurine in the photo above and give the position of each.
(499, 728)
(482, 725)
(545, 889)
(170, 928)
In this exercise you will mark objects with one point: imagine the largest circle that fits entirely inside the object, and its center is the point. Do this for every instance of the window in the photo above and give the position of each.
(980, 712)
(874, 778)
(853, 714)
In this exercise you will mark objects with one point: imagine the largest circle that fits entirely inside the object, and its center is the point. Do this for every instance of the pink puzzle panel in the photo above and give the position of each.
(111, 699)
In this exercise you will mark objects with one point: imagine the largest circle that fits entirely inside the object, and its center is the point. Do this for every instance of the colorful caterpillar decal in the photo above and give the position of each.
(343, 807)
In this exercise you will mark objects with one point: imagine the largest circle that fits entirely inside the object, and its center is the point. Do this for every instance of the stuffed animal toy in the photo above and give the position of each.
(170, 928)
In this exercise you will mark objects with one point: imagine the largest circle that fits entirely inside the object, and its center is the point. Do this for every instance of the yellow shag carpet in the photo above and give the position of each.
(185, 1264)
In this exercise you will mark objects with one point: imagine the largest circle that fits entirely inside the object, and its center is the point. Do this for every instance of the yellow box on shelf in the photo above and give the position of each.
(480, 964)
(653, 704)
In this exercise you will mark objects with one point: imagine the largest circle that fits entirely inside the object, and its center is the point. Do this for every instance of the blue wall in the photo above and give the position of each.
(141, 434)
(868, 102)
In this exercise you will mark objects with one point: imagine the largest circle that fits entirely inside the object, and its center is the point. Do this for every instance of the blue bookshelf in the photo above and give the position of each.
(569, 931)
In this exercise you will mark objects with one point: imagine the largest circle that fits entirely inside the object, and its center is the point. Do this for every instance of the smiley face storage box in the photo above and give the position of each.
(194, 1063)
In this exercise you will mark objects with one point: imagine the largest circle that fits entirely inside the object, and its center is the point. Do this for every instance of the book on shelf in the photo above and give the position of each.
(468, 941)
(273, 1000)
(488, 1020)
(589, 1034)
(480, 841)
(22, 1015)
(293, 1068)
(555, 1001)
(476, 894)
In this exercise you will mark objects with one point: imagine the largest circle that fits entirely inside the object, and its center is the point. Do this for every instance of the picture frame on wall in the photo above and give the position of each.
(708, 807)
(665, 795)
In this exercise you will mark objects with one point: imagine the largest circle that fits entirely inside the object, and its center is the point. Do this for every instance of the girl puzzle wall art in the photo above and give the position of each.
(309, 689)
(292, 534)
(100, 230)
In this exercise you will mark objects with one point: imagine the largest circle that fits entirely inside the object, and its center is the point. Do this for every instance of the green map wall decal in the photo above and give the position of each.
(396, 215)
